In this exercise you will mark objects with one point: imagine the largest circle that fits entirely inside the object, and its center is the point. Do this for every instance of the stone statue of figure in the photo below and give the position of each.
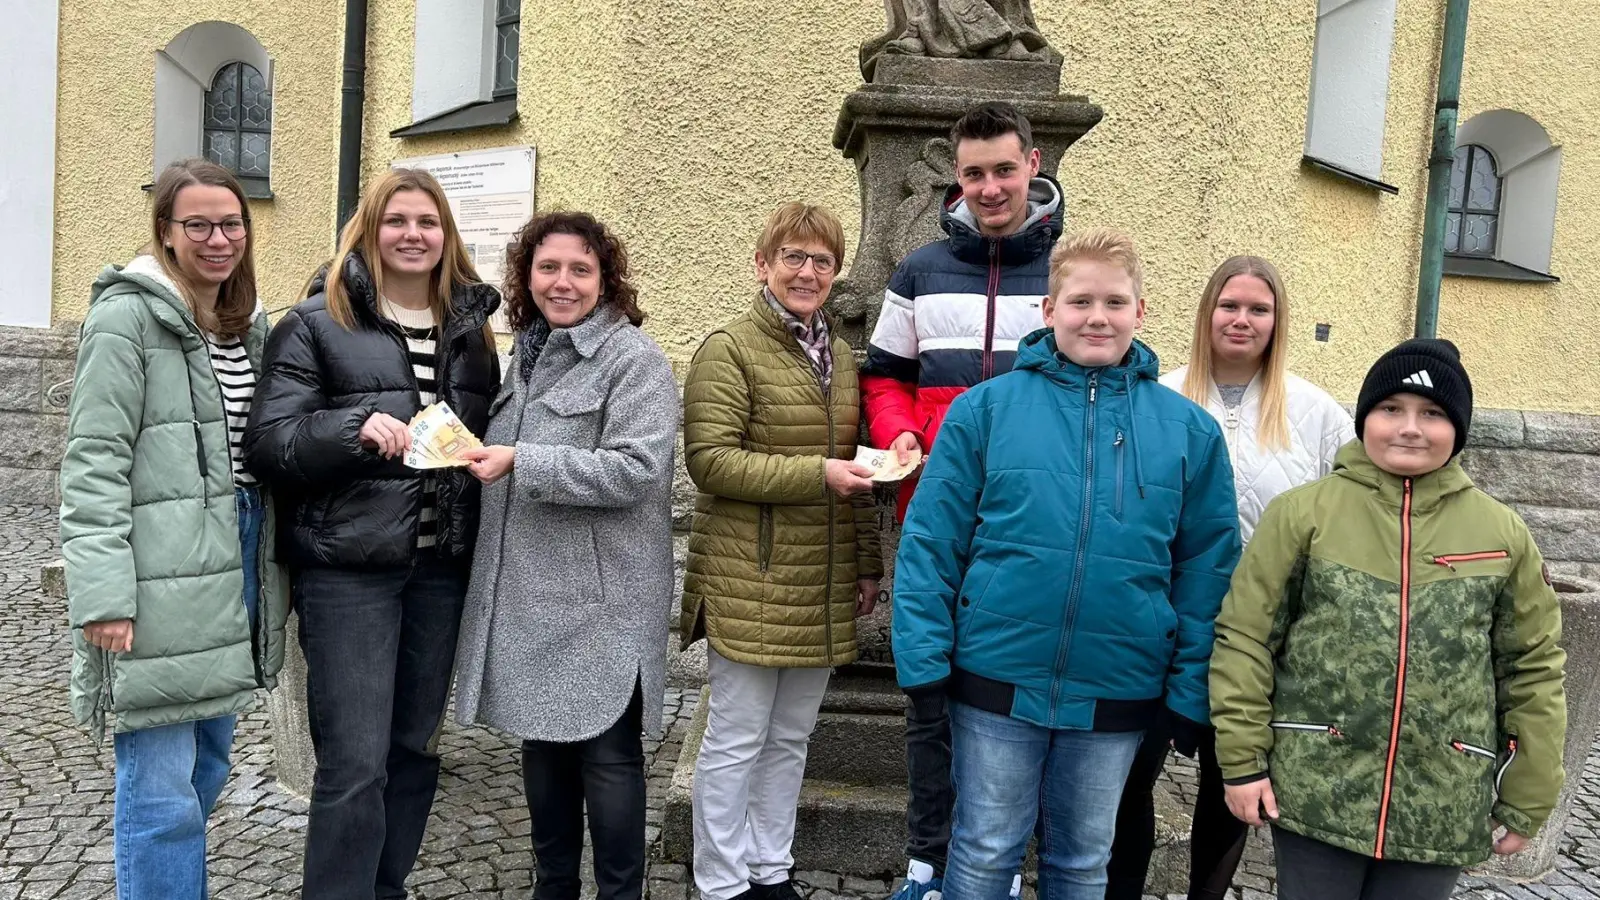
(959, 29)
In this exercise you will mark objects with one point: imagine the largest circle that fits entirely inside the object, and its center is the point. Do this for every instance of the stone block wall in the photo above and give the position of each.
(1546, 466)
(35, 383)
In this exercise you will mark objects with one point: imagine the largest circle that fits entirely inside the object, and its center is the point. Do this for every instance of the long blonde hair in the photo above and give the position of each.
(361, 233)
(1273, 425)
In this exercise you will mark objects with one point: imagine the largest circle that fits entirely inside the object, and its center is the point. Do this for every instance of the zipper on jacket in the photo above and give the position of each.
(1329, 729)
(988, 322)
(833, 499)
(1082, 551)
(1462, 747)
(1511, 754)
(764, 539)
(1118, 444)
(1400, 668)
(1449, 560)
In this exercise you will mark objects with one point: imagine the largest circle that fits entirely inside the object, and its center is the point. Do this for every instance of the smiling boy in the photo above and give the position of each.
(1387, 674)
(1061, 567)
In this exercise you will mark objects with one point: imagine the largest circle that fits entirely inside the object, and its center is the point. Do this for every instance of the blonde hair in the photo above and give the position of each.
(1274, 421)
(361, 233)
(796, 222)
(1106, 245)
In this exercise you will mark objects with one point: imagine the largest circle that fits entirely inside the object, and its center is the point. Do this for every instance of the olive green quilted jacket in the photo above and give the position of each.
(1389, 654)
(774, 554)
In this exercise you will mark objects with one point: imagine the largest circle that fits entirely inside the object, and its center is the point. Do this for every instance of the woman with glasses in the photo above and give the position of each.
(176, 612)
(379, 550)
(783, 555)
(564, 641)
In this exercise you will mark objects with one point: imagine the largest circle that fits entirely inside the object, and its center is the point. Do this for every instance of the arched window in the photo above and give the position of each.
(214, 99)
(238, 123)
(1503, 190)
(1474, 218)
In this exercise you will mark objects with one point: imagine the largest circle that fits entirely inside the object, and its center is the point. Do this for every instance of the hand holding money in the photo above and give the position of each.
(385, 434)
(886, 465)
(438, 437)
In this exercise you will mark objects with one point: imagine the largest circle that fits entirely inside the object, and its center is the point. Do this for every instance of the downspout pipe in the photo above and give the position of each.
(1440, 161)
(352, 102)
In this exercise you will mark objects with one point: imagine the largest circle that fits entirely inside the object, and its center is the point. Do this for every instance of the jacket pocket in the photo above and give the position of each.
(764, 538)
(1328, 728)
(1471, 750)
(1451, 560)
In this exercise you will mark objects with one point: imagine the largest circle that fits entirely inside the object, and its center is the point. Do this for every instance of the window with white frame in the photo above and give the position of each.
(1349, 96)
(1503, 189)
(214, 99)
(464, 70)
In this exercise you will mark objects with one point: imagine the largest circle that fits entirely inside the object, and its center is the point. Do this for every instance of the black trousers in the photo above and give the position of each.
(605, 776)
(1216, 839)
(1308, 869)
(379, 647)
(933, 796)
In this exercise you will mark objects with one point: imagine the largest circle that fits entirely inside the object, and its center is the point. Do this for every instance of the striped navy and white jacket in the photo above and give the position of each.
(952, 316)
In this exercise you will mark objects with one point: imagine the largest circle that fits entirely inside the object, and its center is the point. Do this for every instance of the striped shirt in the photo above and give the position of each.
(238, 380)
(422, 337)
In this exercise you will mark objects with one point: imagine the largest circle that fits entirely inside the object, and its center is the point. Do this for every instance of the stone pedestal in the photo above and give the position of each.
(1580, 637)
(896, 130)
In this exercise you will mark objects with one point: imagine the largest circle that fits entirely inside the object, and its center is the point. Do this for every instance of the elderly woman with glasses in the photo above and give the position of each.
(784, 551)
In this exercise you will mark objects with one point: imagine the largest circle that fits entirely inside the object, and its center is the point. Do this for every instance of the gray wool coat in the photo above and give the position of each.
(572, 579)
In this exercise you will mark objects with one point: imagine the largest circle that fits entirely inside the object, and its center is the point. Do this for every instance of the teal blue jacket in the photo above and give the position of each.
(1068, 547)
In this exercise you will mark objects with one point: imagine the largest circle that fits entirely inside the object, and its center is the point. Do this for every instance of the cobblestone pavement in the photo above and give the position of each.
(55, 789)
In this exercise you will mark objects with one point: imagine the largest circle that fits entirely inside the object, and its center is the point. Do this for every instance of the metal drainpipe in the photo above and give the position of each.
(352, 101)
(1440, 162)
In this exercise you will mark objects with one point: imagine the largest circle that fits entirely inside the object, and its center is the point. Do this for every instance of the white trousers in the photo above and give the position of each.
(747, 778)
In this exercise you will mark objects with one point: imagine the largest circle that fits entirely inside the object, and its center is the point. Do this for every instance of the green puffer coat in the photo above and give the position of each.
(1388, 654)
(774, 554)
(149, 526)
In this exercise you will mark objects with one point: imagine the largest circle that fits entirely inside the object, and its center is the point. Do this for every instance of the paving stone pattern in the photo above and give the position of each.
(56, 789)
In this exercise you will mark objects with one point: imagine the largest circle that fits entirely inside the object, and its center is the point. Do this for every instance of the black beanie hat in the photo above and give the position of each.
(1427, 367)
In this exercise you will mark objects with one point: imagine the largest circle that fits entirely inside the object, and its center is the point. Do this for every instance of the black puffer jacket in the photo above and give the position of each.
(346, 505)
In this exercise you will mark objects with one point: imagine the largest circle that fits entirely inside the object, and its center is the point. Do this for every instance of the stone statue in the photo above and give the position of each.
(959, 29)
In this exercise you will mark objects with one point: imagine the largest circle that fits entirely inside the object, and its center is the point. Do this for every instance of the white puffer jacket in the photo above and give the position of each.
(1318, 427)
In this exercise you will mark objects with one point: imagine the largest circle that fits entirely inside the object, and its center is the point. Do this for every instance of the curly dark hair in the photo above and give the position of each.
(615, 287)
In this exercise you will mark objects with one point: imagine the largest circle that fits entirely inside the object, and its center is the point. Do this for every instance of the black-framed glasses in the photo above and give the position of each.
(199, 229)
(796, 259)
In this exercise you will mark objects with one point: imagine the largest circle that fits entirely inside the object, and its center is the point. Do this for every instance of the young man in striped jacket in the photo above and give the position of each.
(952, 316)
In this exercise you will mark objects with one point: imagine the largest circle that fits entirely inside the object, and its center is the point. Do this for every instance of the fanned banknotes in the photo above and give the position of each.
(437, 438)
(885, 464)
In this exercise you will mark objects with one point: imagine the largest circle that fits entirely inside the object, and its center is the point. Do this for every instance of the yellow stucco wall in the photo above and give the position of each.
(105, 134)
(682, 125)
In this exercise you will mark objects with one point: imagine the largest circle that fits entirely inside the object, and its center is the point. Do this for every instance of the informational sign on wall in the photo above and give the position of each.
(491, 196)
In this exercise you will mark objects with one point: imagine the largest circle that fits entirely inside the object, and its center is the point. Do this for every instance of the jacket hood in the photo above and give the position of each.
(473, 302)
(145, 275)
(1426, 490)
(1038, 351)
(1036, 236)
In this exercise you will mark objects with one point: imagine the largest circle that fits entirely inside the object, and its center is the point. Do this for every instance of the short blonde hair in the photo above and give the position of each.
(799, 223)
(1106, 245)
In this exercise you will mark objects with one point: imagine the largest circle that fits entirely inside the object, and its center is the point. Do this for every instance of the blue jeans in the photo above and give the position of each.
(1008, 774)
(169, 777)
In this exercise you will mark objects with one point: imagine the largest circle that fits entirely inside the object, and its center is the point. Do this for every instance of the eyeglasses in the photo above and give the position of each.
(200, 229)
(796, 260)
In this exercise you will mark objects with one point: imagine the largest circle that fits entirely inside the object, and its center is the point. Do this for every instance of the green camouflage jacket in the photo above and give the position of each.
(1388, 654)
